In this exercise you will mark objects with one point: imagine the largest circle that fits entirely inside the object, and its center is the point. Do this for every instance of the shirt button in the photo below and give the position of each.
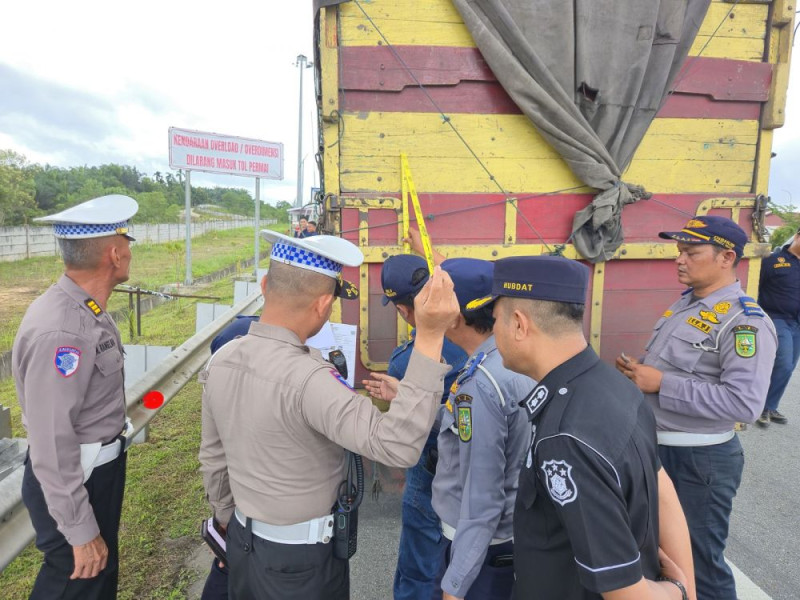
(562, 391)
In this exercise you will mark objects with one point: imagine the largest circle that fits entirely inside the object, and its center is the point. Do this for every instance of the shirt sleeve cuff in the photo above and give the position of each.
(224, 515)
(82, 533)
(669, 396)
(426, 373)
(453, 583)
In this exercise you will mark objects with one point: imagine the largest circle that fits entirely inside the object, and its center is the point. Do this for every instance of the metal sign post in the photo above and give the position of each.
(188, 280)
(258, 225)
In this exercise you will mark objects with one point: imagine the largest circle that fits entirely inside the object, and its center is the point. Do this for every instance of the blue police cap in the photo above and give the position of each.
(553, 278)
(472, 278)
(707, 229)
(402, 276)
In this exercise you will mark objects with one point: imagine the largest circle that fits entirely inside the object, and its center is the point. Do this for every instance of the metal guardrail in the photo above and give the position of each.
(169, 377)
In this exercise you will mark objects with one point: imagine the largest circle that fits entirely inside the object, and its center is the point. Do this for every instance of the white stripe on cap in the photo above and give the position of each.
(305, 259)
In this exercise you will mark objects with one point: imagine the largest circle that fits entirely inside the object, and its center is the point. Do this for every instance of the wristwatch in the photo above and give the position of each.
(684, 595)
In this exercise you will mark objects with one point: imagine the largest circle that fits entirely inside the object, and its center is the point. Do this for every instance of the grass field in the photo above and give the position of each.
(153, 265)
(164, 494)
(164, 497)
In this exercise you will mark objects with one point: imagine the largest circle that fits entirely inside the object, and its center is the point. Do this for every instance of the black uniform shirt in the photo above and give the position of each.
(779, 285)
(586, 516)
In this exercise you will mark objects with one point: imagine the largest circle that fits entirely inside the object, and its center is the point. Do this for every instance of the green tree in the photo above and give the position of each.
(17, 189)
(790, 217)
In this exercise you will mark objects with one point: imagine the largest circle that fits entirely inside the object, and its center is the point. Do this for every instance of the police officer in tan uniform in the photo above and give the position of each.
(277, 418)
(68, 369)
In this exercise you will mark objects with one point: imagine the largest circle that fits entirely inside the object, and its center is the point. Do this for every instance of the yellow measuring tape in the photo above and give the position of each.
(408, 189)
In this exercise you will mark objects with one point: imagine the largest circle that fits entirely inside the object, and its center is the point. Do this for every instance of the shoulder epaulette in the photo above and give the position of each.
(470, 367)
(93, 306)
(750, 307)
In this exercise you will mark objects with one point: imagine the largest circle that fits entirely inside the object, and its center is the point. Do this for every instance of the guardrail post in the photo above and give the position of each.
(5, 422)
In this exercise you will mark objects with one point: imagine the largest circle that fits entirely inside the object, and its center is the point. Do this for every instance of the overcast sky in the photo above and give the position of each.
(90, 82)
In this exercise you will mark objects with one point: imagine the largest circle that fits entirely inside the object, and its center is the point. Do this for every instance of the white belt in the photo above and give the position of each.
(450, 533)
(313, 531)
(96, 454)
(680, 438)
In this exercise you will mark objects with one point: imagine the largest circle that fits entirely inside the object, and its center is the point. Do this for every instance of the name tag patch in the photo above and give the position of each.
(702, 326)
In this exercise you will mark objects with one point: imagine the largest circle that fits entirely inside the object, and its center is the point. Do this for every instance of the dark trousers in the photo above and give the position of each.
(216, 587)
(706, 479)
(105, 488)
(419, 555)
(493, 582)
(264, 570)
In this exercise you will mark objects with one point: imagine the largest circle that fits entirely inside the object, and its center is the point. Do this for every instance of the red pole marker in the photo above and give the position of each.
(153, 399)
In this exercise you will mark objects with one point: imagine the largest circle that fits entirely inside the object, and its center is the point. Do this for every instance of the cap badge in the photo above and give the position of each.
(695, 224)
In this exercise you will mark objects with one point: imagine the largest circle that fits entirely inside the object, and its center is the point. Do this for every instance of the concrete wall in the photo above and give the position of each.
(17, 243)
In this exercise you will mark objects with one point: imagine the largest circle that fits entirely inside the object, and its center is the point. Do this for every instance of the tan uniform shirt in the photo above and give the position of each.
(67, 365)
(276, 417)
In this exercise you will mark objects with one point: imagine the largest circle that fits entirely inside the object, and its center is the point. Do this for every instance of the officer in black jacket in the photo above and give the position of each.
(586, 520)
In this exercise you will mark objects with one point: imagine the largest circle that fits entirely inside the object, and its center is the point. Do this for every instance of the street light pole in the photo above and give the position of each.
(303, 64)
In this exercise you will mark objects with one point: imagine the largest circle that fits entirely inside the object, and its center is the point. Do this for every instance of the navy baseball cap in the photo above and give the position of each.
(472, 278)
(402, 276)
(719, 231)
(553, 278)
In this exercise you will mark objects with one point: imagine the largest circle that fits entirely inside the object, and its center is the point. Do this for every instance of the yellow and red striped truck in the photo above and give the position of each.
(407, 77)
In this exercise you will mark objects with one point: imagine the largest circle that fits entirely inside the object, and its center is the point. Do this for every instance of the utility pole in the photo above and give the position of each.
(303, 64)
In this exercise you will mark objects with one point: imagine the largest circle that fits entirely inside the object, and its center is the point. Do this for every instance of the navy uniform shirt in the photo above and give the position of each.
(586, 517)
(482, 442)
(779, 286)
(453, 355)
(237, 328)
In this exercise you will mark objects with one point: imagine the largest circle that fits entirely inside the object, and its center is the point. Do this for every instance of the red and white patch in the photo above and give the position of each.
(67, 360)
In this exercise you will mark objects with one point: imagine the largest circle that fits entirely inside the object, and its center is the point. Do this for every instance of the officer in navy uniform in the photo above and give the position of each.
(586, 520)
(705, 368)
(419, 553)
(483, 438)
(277, 419)
(779, 296)
(68, 369)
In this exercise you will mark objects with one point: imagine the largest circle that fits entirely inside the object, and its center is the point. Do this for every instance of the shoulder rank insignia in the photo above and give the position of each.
(667, 314)
(722, 307)
(745, 340)
(92, 305)
(750, 307)
(470, 368)
(465, 423)
(710, 316)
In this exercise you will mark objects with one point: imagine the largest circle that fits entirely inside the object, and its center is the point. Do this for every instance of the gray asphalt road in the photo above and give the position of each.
(765, 529)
